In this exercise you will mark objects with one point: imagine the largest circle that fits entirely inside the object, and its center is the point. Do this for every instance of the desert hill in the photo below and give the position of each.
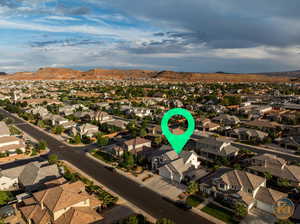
(104, 74)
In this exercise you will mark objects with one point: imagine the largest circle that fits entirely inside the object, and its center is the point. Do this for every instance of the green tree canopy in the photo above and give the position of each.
(52, 158)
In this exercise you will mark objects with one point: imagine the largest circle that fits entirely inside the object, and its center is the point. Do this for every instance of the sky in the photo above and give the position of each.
(190, 35)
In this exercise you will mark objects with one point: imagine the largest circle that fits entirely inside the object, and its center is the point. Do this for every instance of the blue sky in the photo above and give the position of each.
(190, 35)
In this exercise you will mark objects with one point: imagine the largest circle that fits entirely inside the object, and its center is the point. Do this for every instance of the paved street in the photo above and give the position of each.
(142, 197)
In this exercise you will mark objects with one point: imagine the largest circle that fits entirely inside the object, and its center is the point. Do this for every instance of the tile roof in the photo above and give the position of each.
(242, 179)
(136, 141)
(269, 196)
(79, 215)
(63, 196)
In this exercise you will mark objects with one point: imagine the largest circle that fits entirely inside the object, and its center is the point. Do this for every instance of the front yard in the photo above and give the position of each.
(193, 200)
(105, 157)
(220, 213)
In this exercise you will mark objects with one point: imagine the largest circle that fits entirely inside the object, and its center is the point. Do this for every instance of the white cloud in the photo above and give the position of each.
(110, 31)
(63, 18)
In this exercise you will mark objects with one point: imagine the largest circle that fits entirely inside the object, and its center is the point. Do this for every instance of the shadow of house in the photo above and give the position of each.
(35, 174)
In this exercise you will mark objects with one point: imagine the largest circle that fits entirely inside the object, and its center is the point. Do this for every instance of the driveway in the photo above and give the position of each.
(165, 187)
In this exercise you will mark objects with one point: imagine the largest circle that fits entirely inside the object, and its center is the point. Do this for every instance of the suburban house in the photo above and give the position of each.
(262, 109)
(30, 177)
(226, 119)
(276, 166)
(11, 145)
(246, 134)
(118, 123)
(289, 142)
(212, 148)
(85, 129)
(240, 186)
(206, 124)
(172, 166)
(102, 117)
(39, 111)
(66, 110)
(64, 204)
(139, 111)
(136, 145)
(8, 182)
(59, 120)
(264, 125)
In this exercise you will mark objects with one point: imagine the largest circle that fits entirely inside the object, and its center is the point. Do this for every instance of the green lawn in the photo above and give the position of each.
(193, 200)
(104, 157)
(220, 213)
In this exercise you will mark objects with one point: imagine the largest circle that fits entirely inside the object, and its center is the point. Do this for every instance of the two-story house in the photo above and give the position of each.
(276, 166)
(172, 166)
(63, 204)
(212, 148)
(226, 120)
(85, 129)
(241, 186)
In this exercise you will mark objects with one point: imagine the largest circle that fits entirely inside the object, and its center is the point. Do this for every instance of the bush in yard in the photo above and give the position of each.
(58, 130)
(240, 210)
(52, 159)
(19, 151)
(102, 141)
(42, 145)
(192, 188)
(5, 196)
(164, 221)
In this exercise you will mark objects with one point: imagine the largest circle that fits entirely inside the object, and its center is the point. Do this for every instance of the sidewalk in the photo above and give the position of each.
(121, 200)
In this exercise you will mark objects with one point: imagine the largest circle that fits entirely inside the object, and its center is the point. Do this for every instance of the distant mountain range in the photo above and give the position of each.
(105, 74)
(295, 74)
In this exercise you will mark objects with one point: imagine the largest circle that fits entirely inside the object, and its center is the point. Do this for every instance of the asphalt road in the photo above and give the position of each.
(142, 197)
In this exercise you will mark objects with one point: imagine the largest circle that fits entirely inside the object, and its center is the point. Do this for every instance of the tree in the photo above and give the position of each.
(132, 220)
(102, 141)
(41, 124)
(52, 158)
(240, 210)
(158, 140)
(5, 197)
(77, 139)
(268, 176)
(128, 160)
(19, 151)
(164, 221)
(143, 132)
(283, 182)
(42, 145)
(58, 130)
(192, 188)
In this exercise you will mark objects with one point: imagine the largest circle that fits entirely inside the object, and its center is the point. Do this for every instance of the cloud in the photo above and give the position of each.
(190, 35)
(122, 33)
(62, 18)
(228, 24)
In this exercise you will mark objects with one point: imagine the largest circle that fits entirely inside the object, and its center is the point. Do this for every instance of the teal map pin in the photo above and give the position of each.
(177, 141)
